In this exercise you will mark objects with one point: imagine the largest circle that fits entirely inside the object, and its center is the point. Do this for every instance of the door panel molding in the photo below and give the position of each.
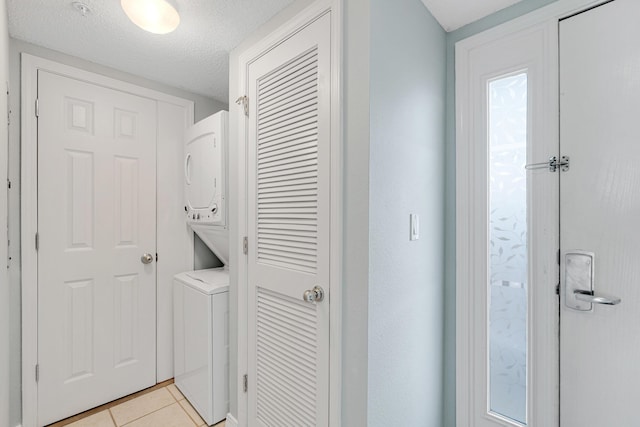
(29, 202)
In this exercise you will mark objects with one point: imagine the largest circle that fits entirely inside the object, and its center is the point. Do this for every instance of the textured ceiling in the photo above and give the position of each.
(453, 14)
(195, 57)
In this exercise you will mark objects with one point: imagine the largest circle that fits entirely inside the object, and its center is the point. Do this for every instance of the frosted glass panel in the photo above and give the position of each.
(508, 247)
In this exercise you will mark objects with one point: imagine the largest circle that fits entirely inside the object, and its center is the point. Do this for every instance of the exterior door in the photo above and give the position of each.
(600, 210)
(288, 222)
(96, 218)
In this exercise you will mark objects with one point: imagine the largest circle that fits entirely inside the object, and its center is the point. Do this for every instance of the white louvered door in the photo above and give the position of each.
(288, 222)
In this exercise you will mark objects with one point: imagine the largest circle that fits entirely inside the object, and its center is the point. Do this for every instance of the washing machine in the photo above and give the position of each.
(201, 341)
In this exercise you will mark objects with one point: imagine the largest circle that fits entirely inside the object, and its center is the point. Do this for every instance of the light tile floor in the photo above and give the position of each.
(162, 407)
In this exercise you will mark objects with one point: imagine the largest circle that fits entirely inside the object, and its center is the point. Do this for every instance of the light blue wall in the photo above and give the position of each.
(407, 101)
(493, 20)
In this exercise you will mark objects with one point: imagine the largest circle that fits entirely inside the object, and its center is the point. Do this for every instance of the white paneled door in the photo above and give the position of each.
(600, 213)
(96, 220)
(288, 220)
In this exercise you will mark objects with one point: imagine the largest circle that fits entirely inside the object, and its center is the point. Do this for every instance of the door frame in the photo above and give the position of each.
(469, 225)
(29, 203)
(246, 57)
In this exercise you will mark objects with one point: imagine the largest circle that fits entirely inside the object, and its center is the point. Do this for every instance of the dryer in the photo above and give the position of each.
(205, 172)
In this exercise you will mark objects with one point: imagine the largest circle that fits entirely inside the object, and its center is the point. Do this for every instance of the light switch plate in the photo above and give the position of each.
(414, 227)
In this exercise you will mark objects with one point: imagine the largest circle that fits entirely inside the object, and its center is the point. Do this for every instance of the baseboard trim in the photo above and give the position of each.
(231, 421)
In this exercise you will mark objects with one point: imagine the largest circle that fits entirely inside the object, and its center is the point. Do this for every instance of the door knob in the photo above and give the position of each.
(146, 259)
(313, 295)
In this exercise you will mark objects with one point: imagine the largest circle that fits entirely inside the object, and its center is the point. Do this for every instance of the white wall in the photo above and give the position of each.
(4, 278)
(406, 282)
(203, 107)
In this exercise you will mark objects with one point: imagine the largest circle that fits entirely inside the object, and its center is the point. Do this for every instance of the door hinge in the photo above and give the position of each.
(8, 184)
(156, 257)
(8, 106)
(558, 256)
(558, 289)
(37, 107)
(244, 101)
(553, 164)
(37, 241)
(37, 373)
(245, 383)
(245, 245)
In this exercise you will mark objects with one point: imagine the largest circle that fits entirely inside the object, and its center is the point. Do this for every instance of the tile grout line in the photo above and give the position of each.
(154, 411)
(115, 424)
(187, 412)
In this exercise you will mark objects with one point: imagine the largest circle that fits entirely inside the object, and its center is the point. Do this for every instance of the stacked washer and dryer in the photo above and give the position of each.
(201, 302)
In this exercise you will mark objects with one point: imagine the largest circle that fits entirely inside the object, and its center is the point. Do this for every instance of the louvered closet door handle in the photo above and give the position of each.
(313, 295)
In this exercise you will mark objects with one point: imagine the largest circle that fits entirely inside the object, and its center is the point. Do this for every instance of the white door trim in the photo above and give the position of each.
(309, 14)
(470, 227)
(29, 204)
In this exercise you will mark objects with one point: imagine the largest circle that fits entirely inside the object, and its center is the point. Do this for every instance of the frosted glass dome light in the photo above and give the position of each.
(155, 16)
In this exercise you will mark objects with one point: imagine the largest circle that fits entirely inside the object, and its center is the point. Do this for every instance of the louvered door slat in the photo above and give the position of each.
(306, 113)
(300, 130)
(280, 184)
(303, 89)
(277, 358)
(297, 67)
(285, 387)
(288, 145)
(288, 79)
(290, 157)
(302, 97)
(285, 349)
(300, 136)
(296, 126)
(302, 94)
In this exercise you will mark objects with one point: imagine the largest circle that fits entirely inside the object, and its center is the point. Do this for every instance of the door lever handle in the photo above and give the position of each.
(590, 297)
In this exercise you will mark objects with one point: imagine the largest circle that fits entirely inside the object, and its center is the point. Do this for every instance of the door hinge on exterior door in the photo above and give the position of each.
(245, 245)
(244, 101)
(37, 241)
(37, 373)
(552, 164)
(8, 106)
(245, 383)
(37, 107)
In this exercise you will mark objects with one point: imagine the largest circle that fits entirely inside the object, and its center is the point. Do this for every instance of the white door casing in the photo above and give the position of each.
(289, 171)
(600, 208)
(479, 62)
(97, 210)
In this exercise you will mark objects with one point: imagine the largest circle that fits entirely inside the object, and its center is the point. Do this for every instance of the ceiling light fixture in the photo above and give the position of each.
(155, 16)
